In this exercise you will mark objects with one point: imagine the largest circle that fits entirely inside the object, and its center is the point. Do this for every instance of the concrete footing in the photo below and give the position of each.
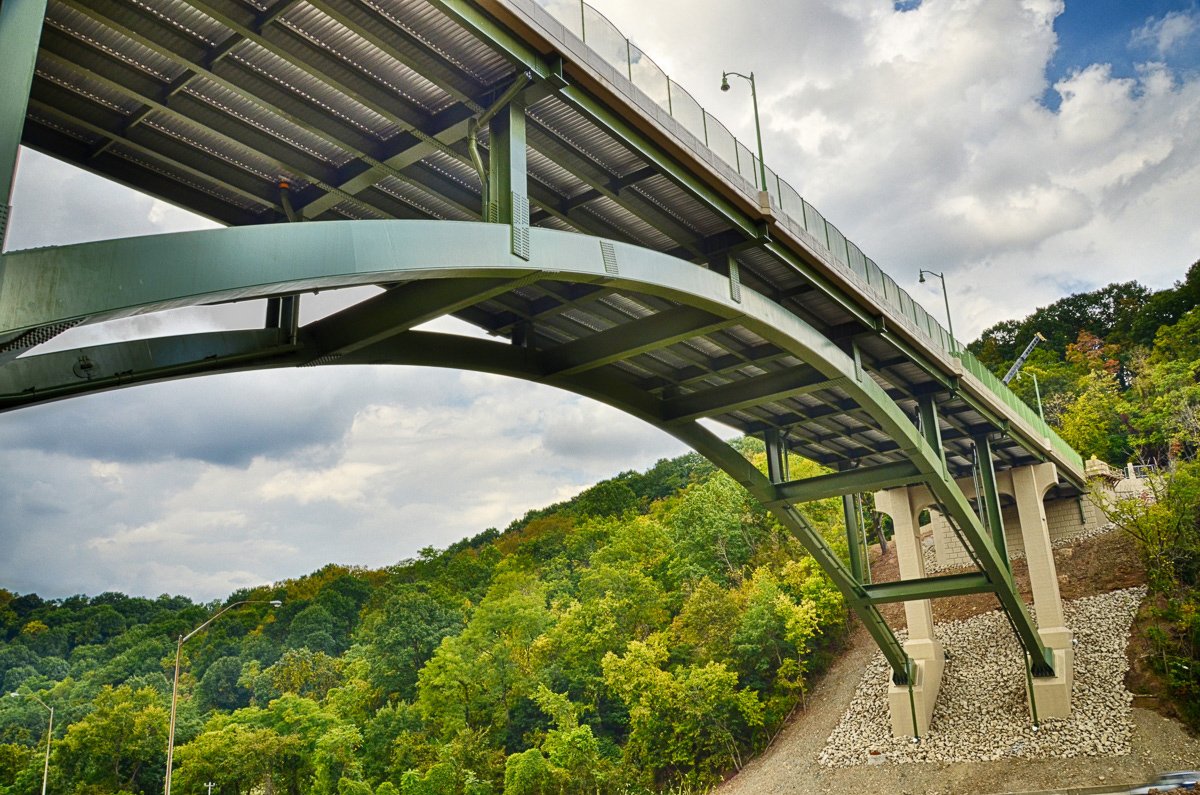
(1051, 695)
(919, 698)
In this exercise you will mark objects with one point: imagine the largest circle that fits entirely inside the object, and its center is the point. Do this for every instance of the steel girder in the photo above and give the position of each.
(20, 30)
(438, 267)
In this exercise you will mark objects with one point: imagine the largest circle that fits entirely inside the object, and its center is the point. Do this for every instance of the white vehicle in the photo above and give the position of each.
(1170, 782)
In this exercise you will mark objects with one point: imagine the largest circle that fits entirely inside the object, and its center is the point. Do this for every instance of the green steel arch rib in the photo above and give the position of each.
(433, 268)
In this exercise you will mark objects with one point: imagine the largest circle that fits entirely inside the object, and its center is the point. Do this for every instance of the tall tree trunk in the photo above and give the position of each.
(878, 527)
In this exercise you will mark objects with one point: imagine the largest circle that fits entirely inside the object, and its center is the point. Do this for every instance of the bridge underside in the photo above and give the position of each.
(510, 179)
(647, 333)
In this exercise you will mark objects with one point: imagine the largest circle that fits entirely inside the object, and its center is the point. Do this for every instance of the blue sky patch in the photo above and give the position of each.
(1124, 34)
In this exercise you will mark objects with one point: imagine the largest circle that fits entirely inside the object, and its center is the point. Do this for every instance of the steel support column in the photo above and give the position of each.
(20, 33)
(853, 535)
(777, 463)
(508, 187)
(930, 428)
(991, 496)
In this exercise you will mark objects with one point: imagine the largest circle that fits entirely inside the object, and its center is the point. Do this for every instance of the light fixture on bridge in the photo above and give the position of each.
(946, 298)
(762, 167)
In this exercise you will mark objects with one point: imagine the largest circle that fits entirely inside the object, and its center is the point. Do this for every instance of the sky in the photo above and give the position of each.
(1027, 149)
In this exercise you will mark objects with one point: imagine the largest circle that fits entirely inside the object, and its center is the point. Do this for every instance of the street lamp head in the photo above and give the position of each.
(276, 603)
(922, 278)
(724, 82)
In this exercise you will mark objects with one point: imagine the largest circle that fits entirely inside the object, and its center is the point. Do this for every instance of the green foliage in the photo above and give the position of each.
(647, 632)
(686, 724)
(1165, 522)
(220, 687)
(400, 637)
(1092, 423)
(120, 745)
(305, 673)
(475, 679)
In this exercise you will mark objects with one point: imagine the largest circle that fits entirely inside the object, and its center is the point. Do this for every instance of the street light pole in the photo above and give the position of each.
(175, 683)
(49, 735)
(762, 166)
(1037, 391)
(946, 298)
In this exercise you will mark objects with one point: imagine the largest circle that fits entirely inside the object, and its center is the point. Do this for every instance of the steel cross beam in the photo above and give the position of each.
(111, 279)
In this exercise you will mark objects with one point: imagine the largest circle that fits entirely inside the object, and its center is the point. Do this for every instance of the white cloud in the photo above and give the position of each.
(1167, 34)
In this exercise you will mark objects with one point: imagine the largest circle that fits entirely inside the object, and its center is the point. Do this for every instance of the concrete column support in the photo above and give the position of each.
(912, 705)
(1050, 696)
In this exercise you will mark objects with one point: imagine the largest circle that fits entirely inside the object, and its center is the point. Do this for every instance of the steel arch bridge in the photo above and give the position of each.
(483, 159)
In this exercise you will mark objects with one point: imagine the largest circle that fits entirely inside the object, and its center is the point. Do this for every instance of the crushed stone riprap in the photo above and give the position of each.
(982, 713)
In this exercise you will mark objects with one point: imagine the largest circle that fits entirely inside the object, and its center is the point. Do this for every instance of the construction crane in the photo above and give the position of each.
(1016, 368)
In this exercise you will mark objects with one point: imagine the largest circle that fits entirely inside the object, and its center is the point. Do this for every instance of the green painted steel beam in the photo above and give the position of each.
(853, 535)
(508, 175)
(406, 150)
(991, 495)
(56, 376)
(747, 392)
(632, 339)
(929, 588)
(777, 455)
(140, 177)
(850, 481)
(20, 31)
(397, 310)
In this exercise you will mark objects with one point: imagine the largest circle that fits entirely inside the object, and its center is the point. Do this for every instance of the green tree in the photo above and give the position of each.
(716, 530)
(120, 745)
(1093, 423)
(305, 673)
(687, 725)
(237, 758)
(400, 637)
(528, 773)
(704, 628)
(475, 679)
(314, 629)
(220, 687)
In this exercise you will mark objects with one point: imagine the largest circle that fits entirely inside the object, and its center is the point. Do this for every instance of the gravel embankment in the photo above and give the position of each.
(981, 712)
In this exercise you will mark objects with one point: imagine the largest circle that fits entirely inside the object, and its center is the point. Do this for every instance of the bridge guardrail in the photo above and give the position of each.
(631, 62)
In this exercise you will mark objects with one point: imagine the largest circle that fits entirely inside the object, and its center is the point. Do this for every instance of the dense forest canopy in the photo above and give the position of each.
(651, 633)
(653, 630)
